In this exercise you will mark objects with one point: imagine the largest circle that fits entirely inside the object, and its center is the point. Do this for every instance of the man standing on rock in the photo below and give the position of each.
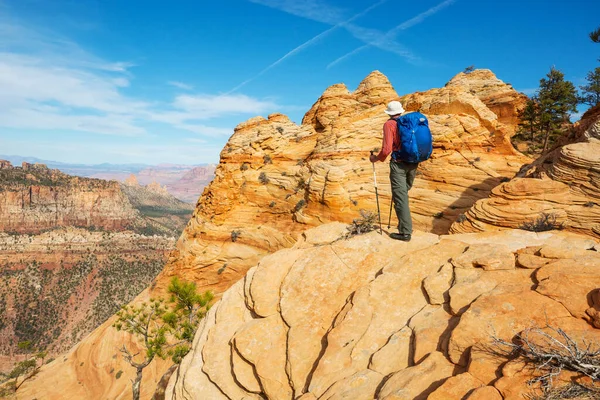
(402, 174)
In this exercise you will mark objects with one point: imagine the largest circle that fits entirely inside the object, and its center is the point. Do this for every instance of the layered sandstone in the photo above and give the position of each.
(72, 251)
(343, 319)
(565, 185)
(275, 179)
(34, 198)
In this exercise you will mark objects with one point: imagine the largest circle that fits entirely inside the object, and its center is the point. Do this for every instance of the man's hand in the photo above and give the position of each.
(373, 158)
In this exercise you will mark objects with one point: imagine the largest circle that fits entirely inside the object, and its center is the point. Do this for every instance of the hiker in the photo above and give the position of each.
(403, 172)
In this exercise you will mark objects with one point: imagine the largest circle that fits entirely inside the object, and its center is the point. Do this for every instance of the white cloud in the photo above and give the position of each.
(50, 83)
(180, 85)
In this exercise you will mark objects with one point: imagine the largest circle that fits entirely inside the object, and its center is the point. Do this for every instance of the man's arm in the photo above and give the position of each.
(388, 141)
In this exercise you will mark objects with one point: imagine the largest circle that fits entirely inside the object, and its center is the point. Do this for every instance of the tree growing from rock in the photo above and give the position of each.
(163, 327)
(529, 119)
(546, 115)
(28, 367)
(557, 99)
(591, 92)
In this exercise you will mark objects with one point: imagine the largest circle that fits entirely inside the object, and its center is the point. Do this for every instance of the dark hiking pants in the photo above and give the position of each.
(402, 176)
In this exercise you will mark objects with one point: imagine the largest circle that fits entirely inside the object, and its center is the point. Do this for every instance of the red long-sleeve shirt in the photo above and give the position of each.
(391, 139)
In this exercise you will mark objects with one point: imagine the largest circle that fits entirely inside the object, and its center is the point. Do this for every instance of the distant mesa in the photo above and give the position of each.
(131, 180)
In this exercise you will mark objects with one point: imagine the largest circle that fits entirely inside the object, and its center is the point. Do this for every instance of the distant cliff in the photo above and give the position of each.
(34, 199)
(73, 250)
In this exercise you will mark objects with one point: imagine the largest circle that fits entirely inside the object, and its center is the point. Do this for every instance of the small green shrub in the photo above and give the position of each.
(267, 159)
(235, 235)
(118, 375)
(262, 178)
(244, 166)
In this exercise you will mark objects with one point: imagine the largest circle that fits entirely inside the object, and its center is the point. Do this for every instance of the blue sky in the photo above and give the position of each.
(152, 81)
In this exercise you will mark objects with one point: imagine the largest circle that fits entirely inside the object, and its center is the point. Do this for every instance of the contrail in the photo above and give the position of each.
(391, 33)
(308, 44)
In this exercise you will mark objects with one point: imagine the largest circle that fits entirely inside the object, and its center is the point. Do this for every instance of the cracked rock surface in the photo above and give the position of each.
(352, 318)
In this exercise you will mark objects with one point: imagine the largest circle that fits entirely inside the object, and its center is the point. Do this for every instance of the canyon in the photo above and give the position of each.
(306, 314)
(72, 251)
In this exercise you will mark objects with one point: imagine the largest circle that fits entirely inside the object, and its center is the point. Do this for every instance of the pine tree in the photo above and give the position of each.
(28, 367)
(529, 119)
(162, 330)
(557, 98)
(595, 36)
(591, 91)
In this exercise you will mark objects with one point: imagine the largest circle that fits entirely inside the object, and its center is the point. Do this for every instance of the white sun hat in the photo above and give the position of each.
(394, 108)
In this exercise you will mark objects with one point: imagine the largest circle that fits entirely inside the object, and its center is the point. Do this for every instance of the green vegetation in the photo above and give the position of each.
(595, 35)
(262, 178)
(469, 69)
(235, 234)
(46, 301)
(26, 368)
(590, 93)
(546, 115)
(163, 328)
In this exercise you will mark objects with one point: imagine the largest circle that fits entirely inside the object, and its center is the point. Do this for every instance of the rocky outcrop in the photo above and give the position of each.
(345, 319)
(276, 179)
(34, 198)
(563, 185)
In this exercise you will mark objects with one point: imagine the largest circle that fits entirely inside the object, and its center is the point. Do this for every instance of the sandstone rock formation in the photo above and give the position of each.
(565, 184)
(345, 319)
(34, 198)
(276, 179)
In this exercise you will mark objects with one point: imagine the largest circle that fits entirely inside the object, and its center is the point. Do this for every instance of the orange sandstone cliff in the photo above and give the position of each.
(374, 318)
(276, 179)
(562, 187)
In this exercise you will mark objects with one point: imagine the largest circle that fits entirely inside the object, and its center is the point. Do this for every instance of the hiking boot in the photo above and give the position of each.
(400, 236)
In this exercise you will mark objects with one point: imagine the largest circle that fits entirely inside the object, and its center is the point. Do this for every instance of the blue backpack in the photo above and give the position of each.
(415, 138)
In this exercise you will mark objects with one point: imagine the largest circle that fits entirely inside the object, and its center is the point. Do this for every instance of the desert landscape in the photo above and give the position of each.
(261, 261)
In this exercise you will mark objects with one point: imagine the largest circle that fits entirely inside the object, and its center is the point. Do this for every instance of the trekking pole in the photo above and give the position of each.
(377, 197)
(391, 204)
